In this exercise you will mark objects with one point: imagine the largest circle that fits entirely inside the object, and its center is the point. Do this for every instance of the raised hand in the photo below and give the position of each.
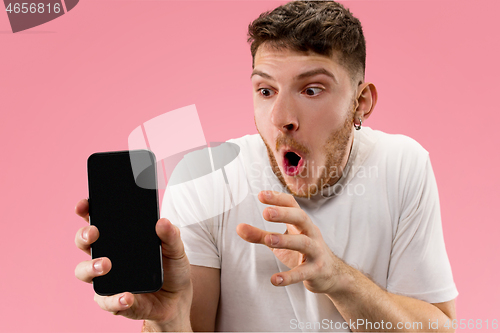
(300, 248)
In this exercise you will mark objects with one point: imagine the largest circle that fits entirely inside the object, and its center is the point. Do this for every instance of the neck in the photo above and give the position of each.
(343, 163)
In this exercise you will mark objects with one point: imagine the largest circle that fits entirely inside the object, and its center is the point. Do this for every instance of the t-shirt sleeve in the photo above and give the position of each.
(419, 265)
(199, 237)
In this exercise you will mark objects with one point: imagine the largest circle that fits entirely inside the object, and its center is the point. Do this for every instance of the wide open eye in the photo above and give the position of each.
(312, 91)
(266, 92)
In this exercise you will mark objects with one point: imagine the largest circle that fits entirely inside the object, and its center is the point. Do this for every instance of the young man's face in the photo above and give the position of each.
(304, 104)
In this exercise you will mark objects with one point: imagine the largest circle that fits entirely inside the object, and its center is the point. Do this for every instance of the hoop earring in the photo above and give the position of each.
(358, 127)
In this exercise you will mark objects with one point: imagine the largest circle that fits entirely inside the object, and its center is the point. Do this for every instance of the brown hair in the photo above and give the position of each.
(319, 26)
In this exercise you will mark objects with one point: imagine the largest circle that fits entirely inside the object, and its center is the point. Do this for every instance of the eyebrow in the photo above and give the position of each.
(264, 75)
(301, 76)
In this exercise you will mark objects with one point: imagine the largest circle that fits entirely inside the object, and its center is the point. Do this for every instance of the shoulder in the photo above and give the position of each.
(396, 143)
(396, 149)
(402, 161)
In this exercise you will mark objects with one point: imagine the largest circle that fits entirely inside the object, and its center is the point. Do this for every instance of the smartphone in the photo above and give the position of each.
(123, 205)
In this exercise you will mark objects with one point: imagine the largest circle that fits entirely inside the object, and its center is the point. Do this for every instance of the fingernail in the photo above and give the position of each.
(85, 234)
(98, 266)
(272, 212)
(279, 279)
(268, 194)
(123, 301)
(274, 239)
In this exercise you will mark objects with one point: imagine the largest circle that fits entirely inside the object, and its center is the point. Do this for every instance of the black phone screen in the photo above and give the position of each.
(125, 215)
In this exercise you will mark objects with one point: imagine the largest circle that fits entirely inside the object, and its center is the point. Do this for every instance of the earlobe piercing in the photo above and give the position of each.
(358, 127)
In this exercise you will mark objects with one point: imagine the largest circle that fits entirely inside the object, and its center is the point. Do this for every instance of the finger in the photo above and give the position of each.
(85, 237)
(278, 199)
(172, 246)
(300, 243)
(116, 304)
(86, 271)
(82, 209)
(251, 234)
(298, 274)
(289, 215)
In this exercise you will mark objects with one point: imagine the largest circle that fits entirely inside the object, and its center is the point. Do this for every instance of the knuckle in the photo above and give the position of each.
(280, 213)
(270, 211)
(315, 232)
(300, 275)
(320, 265)
(281, 241)
(80, 273)
(307, 243)
(101, 301)
(304, 215)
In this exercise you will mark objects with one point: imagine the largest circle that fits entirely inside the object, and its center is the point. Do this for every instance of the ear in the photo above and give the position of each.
(365, 101)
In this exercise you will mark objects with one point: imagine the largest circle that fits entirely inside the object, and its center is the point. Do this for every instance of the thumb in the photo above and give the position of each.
(170, 236)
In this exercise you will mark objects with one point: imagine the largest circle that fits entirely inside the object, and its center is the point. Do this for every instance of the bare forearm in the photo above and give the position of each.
(150, 326)
(360, 300)
(178, 322)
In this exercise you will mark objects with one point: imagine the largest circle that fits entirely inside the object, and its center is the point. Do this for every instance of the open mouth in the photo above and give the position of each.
(292, 163)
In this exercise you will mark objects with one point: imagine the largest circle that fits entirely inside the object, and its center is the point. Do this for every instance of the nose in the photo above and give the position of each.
(283, 114)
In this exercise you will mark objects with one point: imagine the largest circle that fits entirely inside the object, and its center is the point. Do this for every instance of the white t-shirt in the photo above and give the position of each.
(382, 218)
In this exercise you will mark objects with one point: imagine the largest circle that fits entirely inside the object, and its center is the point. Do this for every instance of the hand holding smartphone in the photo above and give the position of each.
(123, 205)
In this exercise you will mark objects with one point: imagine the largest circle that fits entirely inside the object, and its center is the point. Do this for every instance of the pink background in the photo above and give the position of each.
(83, 82)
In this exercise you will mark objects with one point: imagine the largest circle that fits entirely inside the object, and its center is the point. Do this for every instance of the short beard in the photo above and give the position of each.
(335, 149)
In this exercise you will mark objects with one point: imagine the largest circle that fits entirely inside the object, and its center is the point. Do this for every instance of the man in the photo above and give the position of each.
(351, 215)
